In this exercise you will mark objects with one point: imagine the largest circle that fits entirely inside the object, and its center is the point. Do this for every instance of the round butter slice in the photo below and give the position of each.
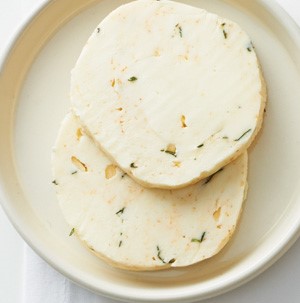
(136, 228)
(171, 93)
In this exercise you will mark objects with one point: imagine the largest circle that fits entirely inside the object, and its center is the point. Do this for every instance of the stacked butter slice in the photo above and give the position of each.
(150, 166)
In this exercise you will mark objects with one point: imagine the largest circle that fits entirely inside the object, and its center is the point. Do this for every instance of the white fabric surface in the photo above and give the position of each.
(44, 284)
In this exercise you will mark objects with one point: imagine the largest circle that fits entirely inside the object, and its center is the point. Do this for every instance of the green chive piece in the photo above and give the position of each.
(158, 254)
(210, 177)
(179, 29)
(120, 212)
(199, 240)
(243, 135)
(72, 232)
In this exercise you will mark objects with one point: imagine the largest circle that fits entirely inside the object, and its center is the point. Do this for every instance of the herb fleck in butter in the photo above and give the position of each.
(199, 240)
(243, 135)
(132, 79)
(120, 212)
(179, 29)
(159, 254)
(224, 32)
(132, 165)
(250, 47)
(210, 177)
(72, 232)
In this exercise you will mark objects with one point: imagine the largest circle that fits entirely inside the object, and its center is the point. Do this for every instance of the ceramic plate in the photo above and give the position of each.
(34, 88)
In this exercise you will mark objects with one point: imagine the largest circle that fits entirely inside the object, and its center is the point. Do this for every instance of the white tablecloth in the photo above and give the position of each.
(44, 284)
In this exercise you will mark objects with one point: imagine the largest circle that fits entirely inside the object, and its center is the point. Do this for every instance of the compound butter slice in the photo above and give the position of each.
(136, 228)
(171, 93)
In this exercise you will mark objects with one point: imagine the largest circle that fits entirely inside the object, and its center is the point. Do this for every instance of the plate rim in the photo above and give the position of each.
(288, 23)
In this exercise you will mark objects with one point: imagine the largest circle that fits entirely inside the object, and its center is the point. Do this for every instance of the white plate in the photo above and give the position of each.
(34, 86)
